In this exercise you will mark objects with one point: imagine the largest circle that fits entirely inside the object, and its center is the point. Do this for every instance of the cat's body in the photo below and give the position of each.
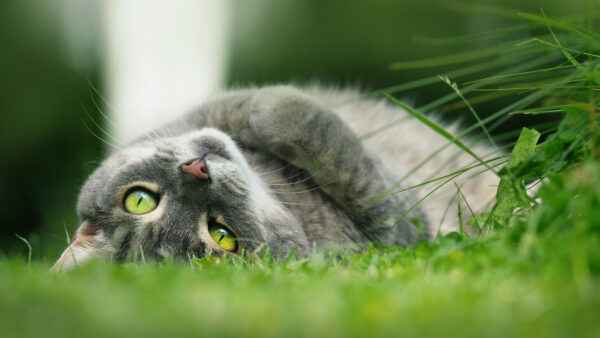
(277, 167)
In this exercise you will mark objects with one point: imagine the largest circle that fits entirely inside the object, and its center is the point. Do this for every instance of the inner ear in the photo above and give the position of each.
(87, 244)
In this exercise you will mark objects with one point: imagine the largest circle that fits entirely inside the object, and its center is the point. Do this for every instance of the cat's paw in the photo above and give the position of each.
(284, 119)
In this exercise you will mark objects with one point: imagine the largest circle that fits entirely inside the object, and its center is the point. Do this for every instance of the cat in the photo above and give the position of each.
(279, 167)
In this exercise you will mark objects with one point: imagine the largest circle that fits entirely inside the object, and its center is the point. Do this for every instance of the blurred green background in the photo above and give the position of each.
(46, 150)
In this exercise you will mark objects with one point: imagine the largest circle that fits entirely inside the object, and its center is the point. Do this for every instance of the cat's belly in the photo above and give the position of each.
(406, 145)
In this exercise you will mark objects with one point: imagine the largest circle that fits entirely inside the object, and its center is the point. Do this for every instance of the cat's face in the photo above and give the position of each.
(179, 197)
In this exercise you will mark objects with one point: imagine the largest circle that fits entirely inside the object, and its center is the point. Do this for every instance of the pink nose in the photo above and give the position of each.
(197, 168)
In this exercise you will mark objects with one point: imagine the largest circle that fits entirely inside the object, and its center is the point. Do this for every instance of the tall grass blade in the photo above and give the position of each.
(454, 58)
(436, 127)
(454, 87)
(28, 248)
(554, 23)
(471, 37)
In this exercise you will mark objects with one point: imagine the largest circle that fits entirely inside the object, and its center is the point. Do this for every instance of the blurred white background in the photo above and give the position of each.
(160, 58)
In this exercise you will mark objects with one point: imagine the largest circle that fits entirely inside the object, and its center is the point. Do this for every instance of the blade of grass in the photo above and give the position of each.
(67, 234)
(545, 70)
(472, 8)
(459, 211)
(142, 255)
(524, 102)
(468, 206)
(407, 211)
(540, 60)
(454, 87)
(501, 117)
(497, 115)
(439, 228)
(563, 50)
(436, 127)
(559, 46)
(460, 194)
(475, 100)
(28, 248)
(526, 89)
(592, 122)
(461, 57)
(461, 171)
(554, 23)
(540, 110)
(470, 37)
(479, 67)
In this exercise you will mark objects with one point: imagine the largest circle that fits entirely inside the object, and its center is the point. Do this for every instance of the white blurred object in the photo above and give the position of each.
(162, 58)
(80, 24)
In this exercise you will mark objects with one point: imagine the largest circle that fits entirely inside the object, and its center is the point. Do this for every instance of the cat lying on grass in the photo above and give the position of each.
(277, 168)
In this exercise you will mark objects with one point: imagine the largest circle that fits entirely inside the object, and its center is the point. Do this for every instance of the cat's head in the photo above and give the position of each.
(178, 197)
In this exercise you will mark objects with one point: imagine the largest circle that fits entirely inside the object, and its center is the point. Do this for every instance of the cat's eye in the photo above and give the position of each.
(223, 236)
(139, 201)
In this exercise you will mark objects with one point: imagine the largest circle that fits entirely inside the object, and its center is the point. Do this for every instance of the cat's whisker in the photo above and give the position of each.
(154, 135)
(284, 192)
(93, 95)
(100, 138)
(300, 181)
(285, 179)
(53, 236)
(259, 169)
(300, 203)
(99, 126)
(157, 134)
(277, 170)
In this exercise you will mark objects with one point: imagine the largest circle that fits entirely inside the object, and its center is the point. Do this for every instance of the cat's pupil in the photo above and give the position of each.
(221, 233)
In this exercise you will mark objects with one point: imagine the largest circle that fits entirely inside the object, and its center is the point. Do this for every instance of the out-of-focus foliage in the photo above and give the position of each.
(356, 43)
(45, 149)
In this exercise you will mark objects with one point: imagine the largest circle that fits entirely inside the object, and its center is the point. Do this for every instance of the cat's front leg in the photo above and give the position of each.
(297, 129)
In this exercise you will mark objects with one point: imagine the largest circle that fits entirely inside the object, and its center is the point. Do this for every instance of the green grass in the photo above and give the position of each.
(538, 278)
(518, 282)
(533, 269)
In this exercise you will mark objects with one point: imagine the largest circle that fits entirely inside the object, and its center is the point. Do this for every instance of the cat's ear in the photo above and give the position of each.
(88, 243)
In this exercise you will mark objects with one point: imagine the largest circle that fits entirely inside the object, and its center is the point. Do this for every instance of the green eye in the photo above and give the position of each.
(223, 236)
(139, 201)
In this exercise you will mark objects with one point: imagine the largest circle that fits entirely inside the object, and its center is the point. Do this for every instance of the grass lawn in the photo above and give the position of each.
(461, 287)
(538, 278)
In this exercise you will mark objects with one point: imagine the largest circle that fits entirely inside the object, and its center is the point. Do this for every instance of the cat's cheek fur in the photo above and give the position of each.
(88, 243)
(280, 228)
(285, 231)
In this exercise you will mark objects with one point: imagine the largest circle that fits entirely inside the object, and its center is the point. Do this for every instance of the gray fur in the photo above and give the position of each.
(288, 170)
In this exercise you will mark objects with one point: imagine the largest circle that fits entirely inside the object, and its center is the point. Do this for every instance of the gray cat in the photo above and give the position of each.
(278, 168)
